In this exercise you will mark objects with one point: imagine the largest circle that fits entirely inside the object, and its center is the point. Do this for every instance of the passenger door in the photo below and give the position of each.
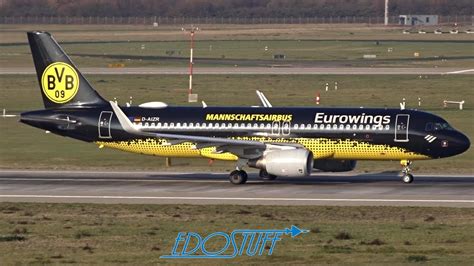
(402, 123)
(104, 124)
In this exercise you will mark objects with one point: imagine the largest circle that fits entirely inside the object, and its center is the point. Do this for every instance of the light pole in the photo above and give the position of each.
(191, 97)
(386, 13)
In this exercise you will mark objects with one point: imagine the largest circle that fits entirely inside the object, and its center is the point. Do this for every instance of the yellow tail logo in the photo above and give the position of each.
(60, 82)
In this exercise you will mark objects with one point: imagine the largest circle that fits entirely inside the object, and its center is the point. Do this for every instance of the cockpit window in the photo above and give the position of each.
(437, 126)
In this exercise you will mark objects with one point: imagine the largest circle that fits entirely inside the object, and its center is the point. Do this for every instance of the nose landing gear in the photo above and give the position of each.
(407, 177)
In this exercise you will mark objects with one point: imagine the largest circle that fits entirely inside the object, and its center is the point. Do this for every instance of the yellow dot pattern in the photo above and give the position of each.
(321, 148)
(157, 147)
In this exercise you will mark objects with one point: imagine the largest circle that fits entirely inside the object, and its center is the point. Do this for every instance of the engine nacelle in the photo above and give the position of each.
(294, 162)
(335, 165)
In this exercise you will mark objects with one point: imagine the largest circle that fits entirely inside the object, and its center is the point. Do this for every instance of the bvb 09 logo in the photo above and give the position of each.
(60, 82)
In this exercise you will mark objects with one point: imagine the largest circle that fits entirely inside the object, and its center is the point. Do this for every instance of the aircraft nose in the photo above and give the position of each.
(458, 144)
(464, 143)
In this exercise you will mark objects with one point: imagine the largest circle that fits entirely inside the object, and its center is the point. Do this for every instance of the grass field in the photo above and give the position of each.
(343, 45)
(26, 147)
(139, 234)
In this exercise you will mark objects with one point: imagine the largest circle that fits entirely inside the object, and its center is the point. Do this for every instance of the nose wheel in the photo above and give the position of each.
(238, 177)
(407, 177)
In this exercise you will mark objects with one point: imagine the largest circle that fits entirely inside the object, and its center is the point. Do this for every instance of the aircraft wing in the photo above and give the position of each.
(246, 149)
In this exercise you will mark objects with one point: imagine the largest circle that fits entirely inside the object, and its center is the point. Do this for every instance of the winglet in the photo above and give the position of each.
(263, 99)
(123, 119)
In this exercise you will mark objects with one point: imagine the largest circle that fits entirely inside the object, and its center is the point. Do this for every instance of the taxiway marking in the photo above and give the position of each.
(112, 180)
(232, 198)
(460, 71)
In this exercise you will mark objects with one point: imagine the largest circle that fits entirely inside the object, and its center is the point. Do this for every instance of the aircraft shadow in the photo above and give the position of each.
(323, 179)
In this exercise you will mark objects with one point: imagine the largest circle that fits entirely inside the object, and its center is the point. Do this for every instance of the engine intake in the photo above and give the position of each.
(295, 162)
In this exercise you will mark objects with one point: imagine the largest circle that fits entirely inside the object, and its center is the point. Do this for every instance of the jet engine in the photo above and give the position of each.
(294, 162)
(335, 165)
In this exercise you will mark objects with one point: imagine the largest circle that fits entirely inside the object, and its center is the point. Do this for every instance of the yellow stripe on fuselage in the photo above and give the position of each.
(322, 148)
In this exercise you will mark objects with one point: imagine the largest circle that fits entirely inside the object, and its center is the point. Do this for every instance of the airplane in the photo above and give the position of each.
(279, 141)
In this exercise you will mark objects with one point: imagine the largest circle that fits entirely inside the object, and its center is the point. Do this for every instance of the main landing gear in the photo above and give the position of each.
(238, 177)
(407, 177)
(265, 175)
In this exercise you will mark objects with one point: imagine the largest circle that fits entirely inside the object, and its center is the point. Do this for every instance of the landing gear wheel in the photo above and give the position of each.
(238, 177)
(265, 175)
(407, 178)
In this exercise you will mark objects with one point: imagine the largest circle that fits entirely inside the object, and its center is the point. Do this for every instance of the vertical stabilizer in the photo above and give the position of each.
(60, 81)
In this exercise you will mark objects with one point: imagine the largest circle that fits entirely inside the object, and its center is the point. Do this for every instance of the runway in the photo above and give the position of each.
(209, 188)
(282, 70)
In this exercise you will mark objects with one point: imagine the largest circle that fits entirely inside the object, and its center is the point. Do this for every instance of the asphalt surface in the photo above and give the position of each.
(208, 188)
(255, 71)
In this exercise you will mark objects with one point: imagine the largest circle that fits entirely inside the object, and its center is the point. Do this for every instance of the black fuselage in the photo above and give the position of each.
(414, 132)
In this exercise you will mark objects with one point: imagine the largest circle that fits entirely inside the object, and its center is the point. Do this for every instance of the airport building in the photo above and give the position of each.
(418, 20)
